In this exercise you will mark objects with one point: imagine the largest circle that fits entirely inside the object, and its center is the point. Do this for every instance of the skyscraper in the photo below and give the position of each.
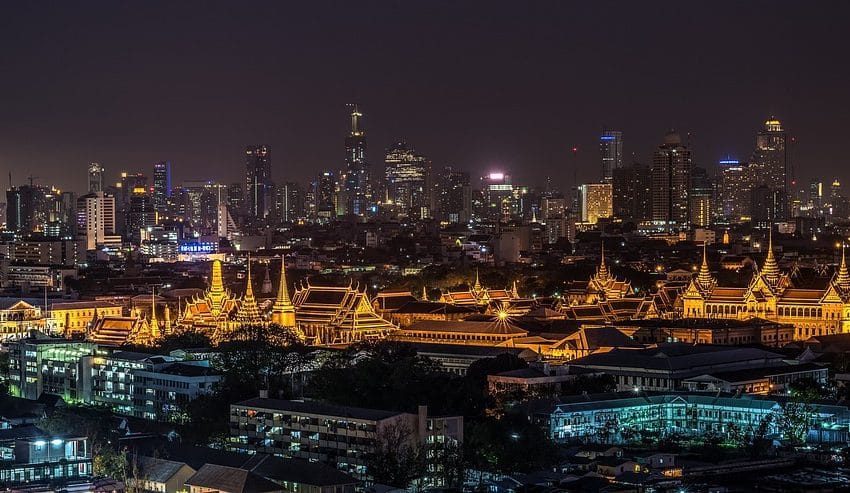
(770, 162)
(408, 176)
(701, 199)
(455, 195)
(734, 191)
(95, 177)
(258, 180)
(671, 182)
(632, 192)
(161, 183)
(355, 180)
(596, 201)
(323, 191)
(96, 219)
(611, 151)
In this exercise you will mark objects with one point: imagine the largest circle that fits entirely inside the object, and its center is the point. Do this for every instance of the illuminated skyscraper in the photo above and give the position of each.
(498, 196)
(95, 177)
(356, 186)
(258, 180)
(671, 182)
(96, 219)
(596, 201)
(408, 176)
(161, 183)
(611, 151)
(701, 199)
(770, 162)
(734, 191)
(323, 196)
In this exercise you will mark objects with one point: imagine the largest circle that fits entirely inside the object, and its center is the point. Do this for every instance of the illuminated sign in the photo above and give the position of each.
(730, 162)
(607, 137)
(197, 247)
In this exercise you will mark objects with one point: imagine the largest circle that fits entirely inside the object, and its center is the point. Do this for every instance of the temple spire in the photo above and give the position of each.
(249, 312)
(477, 286)
(704, 279)
(842, 279)
(154, 325)
(514, 291)
(424, 293)
(216, 284)
(771, 267)
(283, 312)
(602, 273)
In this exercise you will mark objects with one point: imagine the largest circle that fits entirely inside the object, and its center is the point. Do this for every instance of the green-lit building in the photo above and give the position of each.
(38, 366)
(611, 416)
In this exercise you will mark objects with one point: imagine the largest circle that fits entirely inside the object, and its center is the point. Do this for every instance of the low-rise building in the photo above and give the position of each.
(44, 460)
(47, 365)
(341, 436)
(75, 317)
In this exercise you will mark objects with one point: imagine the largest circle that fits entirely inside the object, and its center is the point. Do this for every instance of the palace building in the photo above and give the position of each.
(215, 311)
(479, 295)
(603, 286)
(772, 296)
(329, 315)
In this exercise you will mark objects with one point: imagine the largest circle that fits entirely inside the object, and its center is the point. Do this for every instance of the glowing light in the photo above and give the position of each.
(496, 176)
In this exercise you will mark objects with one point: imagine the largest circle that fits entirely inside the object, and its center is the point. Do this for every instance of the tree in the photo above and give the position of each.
(111, 463)
(508, 444)
(794, 421)
(398, 460)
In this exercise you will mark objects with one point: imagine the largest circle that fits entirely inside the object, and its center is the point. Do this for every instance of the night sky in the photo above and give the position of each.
(480, 85)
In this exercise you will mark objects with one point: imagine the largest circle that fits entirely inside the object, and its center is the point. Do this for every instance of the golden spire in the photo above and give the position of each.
(514, 291)
(283, 312)
(249, 289)
(154, 324)
(704, 279)
(168, 326)
(602, 272)
(216, 284)
(424, 293)
(842, 279)
(477, 286)
(249, 312)
(770, 268)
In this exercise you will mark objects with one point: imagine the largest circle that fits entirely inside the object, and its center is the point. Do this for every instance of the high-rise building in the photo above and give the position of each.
(161, 184)
(96, 219)
(671, 182)
(33, 209)
(770, 162)
(734, 191)
(95, 177)
(455, 196)
(289, 202)
(140, 214)
(767, 206)
(498, 196)
(323, 196)
(632, 192)
(356, 186)
(235, 199)
(611, 151)
(408, 181)
(701, 199)
(596, 201)
(258, 180)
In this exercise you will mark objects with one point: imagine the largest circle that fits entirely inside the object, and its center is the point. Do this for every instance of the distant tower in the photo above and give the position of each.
(770, 165)
(611, 151)
(671, 182)
(95, 177)
(258, 180)
(283, 312)
(161, 183)
(356, 185)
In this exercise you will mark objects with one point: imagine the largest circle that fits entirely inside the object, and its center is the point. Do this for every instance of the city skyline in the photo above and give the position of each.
(510, 110)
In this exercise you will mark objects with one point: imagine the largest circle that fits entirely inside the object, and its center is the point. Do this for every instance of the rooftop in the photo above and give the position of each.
(319, 408)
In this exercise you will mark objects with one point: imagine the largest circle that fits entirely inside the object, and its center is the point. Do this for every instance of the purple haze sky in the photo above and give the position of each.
(480, 85)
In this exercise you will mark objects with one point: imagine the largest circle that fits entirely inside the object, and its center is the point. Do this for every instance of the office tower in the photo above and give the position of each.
(408, 181)
(161, 184)
(554, 213)
(258, 180)
(95, 218)
(454, 196)
(596, 201)
(816, 194)
(632, 192)
(356, 187)
(611, 151)
(497, 196)
(95, 177)
(734, 191)
(701, 199)
(766, 206)
(235, 199)
(30, 208)
(323, 196)
(128, 183)
(770, 161)
(140, 214)
(671, 182)
(289, 202)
